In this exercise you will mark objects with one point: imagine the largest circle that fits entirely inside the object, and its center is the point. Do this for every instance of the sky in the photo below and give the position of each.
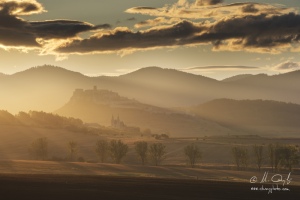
(214, 38)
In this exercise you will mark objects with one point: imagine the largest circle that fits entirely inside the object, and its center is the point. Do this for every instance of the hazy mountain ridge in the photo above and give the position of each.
(257, 114)
(251, 111)
(47, 88)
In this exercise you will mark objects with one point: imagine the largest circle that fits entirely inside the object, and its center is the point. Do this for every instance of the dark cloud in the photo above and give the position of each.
(156, 21)
(208, 2)
(250, 8)
(143, 8)
(103, 26)
(123, 39)
(268, 32)
(16, 32)
(250, 32)
(20, 7)
(62, 28)
(131, 19)
(143, 23)
(256, 31)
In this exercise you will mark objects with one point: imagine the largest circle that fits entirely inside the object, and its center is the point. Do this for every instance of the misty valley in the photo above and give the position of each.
(111, 126)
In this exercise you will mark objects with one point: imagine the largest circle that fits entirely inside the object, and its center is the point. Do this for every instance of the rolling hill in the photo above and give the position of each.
(101, 106)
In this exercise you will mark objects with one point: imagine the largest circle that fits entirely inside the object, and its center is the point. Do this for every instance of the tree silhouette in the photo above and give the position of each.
(240, 156)
(285, 156)
(72, 148)
(271, 151)
(102, 148)
(157, 153)
(193, 154)
(258, 152)
(118, 150)
(39, 149)
(141, 149)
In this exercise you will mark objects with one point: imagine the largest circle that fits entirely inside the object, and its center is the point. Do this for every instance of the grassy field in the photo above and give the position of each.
(216, 150)
(175, 172)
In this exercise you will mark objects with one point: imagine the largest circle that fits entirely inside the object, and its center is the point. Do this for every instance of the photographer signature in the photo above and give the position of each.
(277, 178)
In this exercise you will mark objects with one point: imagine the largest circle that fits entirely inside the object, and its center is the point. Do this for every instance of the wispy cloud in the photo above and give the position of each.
(287, 66)
(210, 10)
(225, 67)
(156, 22)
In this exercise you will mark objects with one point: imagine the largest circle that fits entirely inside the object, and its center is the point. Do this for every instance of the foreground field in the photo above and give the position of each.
(174, 172)
(106, 187)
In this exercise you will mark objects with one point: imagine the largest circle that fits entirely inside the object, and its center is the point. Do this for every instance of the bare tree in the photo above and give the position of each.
(141, 149)
(286, 156)
(118, 150)
(39, 149)
(72, 148)
(271, 151)
(240, 156)
(289, 156)
(157, 153)
(102, 148)
(193, 154)
(277, 157)
(258, 152)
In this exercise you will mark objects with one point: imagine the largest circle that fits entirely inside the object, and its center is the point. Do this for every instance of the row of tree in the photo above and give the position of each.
(117, 150)
(279, 156)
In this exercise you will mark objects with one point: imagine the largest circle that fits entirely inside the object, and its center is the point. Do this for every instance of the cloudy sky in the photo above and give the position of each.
(215, 38)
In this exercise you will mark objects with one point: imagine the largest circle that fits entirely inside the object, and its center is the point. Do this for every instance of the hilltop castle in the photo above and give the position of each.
(97, 96)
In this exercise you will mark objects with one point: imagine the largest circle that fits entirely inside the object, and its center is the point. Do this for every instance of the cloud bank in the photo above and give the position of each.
(221, 67)
(261, 33)
(253, 27)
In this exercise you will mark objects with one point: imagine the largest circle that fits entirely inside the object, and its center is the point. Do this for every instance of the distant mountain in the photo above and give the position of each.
(103, 106)
(47, 88)
(258, 114)
(39, 88)
(167, 87)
